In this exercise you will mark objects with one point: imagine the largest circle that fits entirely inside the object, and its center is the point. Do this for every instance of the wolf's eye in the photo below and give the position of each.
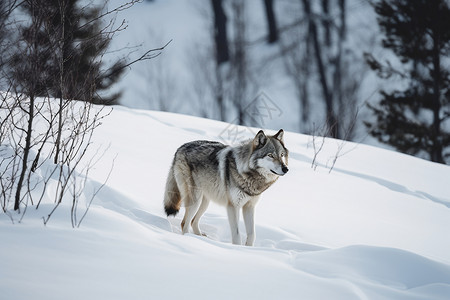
(282, 154)
(270, 155)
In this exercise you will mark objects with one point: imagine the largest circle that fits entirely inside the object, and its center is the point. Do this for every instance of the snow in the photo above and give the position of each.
(375, 227)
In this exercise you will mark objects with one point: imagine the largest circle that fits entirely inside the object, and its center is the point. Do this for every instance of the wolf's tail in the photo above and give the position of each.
(172, 197)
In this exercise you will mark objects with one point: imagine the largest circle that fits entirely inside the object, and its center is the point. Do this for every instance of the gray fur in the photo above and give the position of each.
(232, 176)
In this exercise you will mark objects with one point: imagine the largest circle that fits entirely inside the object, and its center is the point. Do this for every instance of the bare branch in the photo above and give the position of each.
(109, 12)
(149, 54)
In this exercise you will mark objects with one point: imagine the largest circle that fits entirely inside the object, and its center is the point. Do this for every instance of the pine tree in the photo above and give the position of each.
(415, 120)
(68, 42)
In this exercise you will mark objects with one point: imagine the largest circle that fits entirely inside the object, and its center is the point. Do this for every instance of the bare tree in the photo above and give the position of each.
(44, 141)
(271, 22)
(220, 32)
(161, 86)
(319, 141)
(206, 87)
(296, 53)
(239, 67)
(314, 53)
(331, 119)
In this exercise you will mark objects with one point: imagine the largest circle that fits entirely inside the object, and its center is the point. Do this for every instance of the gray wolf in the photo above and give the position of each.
(232, 176)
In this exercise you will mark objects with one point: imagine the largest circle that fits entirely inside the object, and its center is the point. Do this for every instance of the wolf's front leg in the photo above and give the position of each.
(249, 218)
(233, 219)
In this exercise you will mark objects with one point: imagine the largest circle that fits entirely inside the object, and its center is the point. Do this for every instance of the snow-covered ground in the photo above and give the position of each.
(376, 227)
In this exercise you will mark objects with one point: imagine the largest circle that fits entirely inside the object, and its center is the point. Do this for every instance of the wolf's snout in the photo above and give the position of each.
(284, 169)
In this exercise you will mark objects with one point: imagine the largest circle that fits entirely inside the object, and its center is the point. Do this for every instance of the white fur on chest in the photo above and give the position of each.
(238, 198)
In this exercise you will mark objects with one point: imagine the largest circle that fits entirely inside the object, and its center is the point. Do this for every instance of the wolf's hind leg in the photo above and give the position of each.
(198, 215)
(191, 208)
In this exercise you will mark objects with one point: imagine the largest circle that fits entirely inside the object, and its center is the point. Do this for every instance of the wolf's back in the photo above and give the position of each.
(172, 197)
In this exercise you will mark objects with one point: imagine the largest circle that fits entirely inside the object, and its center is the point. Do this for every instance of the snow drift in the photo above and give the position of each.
(375, 227)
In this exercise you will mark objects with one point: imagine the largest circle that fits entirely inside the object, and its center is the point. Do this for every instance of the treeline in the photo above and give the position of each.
(308, 38)
(327, 70)
(52, 72)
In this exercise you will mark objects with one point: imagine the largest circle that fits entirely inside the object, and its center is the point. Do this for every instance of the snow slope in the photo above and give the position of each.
(375, 227)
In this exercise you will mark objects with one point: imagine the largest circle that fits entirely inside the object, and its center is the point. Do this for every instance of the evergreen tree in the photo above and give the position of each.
(415, 120)
(67, 42)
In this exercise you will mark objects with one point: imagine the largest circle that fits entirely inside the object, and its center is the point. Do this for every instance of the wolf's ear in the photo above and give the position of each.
(279, 135)
(259, 140)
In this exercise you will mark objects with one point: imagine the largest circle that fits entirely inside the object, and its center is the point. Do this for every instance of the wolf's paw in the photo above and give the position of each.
(199, 233)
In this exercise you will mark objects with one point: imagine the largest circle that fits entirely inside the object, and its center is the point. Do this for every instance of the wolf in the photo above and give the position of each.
(232, 176)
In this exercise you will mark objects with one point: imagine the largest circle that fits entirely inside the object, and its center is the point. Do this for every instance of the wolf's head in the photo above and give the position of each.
(269, 153)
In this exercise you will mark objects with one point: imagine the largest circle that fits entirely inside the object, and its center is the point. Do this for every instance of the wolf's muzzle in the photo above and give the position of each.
(284, 169)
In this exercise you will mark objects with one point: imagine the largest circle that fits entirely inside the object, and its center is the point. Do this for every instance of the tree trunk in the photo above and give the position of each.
(26, 152)
(220, 32)
(239, 59)
(271, 22)
(332, 122)
(343, 28)
(326, 22)
(61, 81)
(437, 147)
